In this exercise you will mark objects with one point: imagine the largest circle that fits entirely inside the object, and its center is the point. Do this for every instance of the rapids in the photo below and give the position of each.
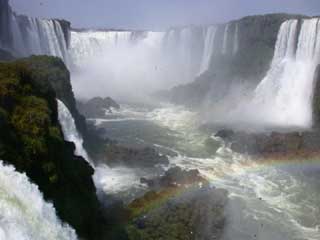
(278, 200)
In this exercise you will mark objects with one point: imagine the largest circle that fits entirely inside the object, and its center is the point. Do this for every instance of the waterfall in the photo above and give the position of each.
(138, 63)
(285, 94)
(32, 36)
(24, 214)
(208, 48)
(225, 39)
(96, 43)
(236, 39)
(40, 37)
(70, 131)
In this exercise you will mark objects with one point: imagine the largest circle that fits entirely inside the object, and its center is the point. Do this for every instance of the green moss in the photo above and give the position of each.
(31, 139)
(31, 117)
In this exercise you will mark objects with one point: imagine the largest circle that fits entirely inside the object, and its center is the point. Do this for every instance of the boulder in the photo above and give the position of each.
(133, 157)
(175, 177)
(290, 144)
(177, 214)
(97, 107)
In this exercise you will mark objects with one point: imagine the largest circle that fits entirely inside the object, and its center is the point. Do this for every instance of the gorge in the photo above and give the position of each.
(214, 133)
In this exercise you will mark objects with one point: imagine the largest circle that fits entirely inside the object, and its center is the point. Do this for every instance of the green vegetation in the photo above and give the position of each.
(31, 139)
(178, 214)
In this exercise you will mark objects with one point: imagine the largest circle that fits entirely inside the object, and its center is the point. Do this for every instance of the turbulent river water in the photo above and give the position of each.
(275, 200)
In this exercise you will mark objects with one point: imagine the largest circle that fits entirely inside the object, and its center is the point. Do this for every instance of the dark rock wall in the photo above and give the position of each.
(316, 99)
(31, 139)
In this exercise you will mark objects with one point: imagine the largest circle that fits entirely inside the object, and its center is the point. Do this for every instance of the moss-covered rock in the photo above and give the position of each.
(179, 213)
(52, 73)
(31, 139)
(179, 205)
(97, 107)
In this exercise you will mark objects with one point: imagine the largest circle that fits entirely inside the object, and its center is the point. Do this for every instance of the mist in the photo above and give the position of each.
(131, 65)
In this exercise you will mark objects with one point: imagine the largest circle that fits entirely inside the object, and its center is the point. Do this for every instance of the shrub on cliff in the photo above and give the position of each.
(31, 139)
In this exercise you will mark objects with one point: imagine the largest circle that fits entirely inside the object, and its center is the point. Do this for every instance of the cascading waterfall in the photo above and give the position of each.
(285, 94)
(39, 37)
(142, 61)
(208, 48)
(70, 131)
(225, 39)
(236, 39)
(33, 36)
(24, 214)
(95, 43)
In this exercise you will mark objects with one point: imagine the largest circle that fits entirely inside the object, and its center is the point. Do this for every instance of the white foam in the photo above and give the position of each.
(24, 215)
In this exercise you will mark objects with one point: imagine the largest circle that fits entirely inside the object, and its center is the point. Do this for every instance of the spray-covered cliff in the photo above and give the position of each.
(31, 139)
(237, 53)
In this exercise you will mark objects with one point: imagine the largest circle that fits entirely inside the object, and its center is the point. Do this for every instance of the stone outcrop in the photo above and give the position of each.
(182, 206)
(175, 177)
(97, 107)
(133, 157)
(274, 144)
(31, 139)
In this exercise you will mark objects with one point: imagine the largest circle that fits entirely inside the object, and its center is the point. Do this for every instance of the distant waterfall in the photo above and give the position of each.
(39, 37)
(95, 43)
(225, 39)
(208, 48)
(236, 39)
(25, 36)
(24, 214)
(285, 94)
(70, 131)
(148, 60)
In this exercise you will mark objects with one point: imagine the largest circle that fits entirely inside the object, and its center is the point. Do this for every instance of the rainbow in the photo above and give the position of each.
(153, 200)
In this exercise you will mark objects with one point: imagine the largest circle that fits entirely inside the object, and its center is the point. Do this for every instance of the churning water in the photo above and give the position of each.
(268, 200)
(24, 214)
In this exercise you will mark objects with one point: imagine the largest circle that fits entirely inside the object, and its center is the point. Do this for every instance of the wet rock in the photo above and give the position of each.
(133, 157)
(225, 134)
(175, 177)
(175, 214)
(275, 143)
(31, 140)
(97, 107)
(316, 98)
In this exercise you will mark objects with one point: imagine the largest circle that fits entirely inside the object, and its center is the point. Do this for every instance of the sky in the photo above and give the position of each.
(157, 14)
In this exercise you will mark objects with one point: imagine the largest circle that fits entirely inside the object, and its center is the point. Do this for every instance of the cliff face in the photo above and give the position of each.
(31, 139)
(316, 99)
(56, 74)
(249, 47)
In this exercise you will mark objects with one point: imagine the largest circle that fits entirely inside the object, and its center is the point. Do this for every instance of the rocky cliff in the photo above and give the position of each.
(31, 139)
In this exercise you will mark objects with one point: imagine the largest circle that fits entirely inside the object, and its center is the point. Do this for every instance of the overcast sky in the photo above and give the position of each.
(152, 14)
